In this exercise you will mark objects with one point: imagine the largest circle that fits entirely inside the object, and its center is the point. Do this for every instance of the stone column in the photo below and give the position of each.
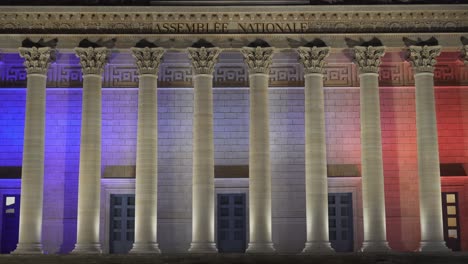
(423, 60)
(259, 61)
(146, 193)
(375, 235)
(92, 61)
(37, 61)
(316, 184)
(203, 193)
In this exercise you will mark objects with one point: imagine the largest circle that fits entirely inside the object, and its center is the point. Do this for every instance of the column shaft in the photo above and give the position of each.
(432, 238)
(259, 167)
(372, 166)
(32, 178)
(146, 193)
(203, 167)
(89, 190)
(316, 166)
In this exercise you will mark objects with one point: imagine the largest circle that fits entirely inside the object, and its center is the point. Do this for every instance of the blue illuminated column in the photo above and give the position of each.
(92, 62)
(37, 61)
(146, 187)
(203, 63)
(368, 60)
(259, 61)
(423, 60)
(313, 59)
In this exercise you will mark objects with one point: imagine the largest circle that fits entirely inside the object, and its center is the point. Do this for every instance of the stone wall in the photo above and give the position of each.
(231, 136)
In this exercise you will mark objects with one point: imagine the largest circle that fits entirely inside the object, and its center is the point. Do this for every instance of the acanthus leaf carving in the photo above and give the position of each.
(148, 59)
(203, 59)
(37, 60)
(258, 59)
(423, 58)
(464, 55)
(368, 59)
(313, 58)
(92, 60)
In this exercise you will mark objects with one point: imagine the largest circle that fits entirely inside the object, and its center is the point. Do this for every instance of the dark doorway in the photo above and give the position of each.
(10, 225)
(340, 221)
(451, 220)
(122, 223)
(231, 223)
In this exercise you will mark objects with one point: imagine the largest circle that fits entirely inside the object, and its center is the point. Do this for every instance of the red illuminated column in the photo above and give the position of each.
(259, 61)
(203, 63)
(423, 60)
(37, 61)
(368, 60)
(146, 182)
(92, 62)
(316, 184)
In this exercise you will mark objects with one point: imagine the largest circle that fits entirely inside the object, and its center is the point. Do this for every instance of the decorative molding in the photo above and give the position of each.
(233, 20)
(148, 59)
(283, 73)
(92, 60)
(368, 59)
(423, 58)
(313, 59)
(258, 59)
(37, 60)
(203, 59)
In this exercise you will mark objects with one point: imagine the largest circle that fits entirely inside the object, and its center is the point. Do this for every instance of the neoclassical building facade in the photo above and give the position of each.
(313, 129)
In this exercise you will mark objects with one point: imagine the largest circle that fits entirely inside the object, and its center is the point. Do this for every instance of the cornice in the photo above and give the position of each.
(306, 19)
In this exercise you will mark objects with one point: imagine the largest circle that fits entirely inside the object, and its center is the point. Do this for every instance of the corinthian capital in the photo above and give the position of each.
(313, 59)
(258, 59)
(92, 60)
(423, 58)
(464, 56)
(368, 59)
(148, 59)
(203, 59)
(37, 60)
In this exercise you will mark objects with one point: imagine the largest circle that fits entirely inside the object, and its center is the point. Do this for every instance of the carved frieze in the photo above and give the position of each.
(282, 73)
(423, 58)
(264, 20)
(37, 60)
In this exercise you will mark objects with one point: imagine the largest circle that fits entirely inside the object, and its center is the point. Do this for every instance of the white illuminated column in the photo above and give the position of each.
(203, 62)
(368, 60)
(316, 184)
(146, 187)
(37, 61)
(92, 62)
(423, 60)
(259, 61)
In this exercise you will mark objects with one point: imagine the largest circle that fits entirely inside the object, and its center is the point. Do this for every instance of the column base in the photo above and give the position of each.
(259, 248)
(433, 246)
(91, 248)
(203, 247)
(145, 248)
(375, 246)
(28, 249)
(318, 247)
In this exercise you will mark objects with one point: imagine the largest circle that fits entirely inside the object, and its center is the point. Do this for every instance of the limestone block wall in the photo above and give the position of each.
(231, 139)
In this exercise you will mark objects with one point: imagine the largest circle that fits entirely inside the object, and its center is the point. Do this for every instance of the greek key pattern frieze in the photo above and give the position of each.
(178, 75)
